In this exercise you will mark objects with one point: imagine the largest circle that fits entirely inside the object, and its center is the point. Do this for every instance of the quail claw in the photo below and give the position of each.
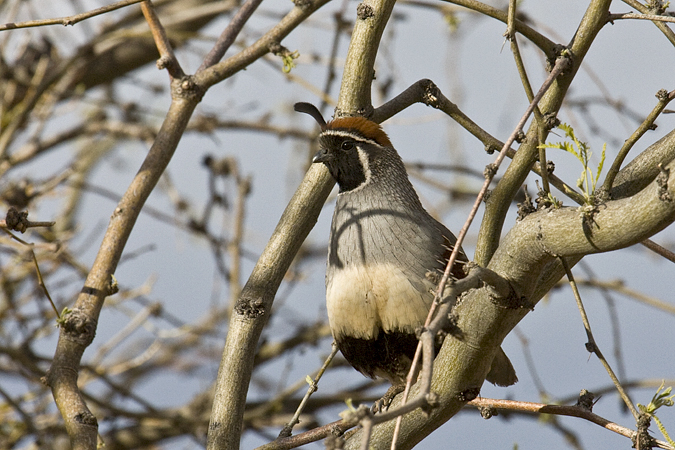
(383, 404)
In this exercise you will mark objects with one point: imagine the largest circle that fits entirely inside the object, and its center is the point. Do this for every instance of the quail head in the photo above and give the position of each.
(383, 246)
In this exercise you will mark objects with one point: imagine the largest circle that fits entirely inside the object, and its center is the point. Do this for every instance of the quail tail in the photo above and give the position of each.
(502, 372)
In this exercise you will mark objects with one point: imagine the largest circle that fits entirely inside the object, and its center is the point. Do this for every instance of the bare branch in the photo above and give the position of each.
(652, 17)
(79, 326)
(559, 410)
(561, 64)
(253, 308)
(644, 168)
(664, 98)
(497, 205)
(230, 33)
(547, 46)
(665, 29)
(313, 386)
(69, 20)
(620, 288)
(167, 58)
(592, 346)
(425, 91)
(261, 47)
(659, 249)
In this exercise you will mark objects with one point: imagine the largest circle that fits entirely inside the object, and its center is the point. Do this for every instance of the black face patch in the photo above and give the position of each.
(341, 155)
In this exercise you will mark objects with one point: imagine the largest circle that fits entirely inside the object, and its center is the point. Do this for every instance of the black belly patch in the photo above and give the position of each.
(389, 355)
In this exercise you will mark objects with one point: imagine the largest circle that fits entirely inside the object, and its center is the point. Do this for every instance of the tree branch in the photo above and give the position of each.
(559, 410)
(167, 57)
(664, 98)
(69, 20)
(218, 72)
(547, 46)
(79, 326)
(355, 90)
(230, 33)
(641, 171)
(537, 241)
(254, 305)
(497, 204)
(665, 29)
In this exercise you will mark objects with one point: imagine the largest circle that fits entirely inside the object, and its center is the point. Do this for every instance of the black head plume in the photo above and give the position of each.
(312, 110)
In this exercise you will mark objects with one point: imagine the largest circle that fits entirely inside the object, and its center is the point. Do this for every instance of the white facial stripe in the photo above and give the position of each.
(347, 134)
(363, 157)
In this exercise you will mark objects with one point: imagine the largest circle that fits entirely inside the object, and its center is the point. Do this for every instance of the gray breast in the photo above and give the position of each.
(370, 230)
(380, 253)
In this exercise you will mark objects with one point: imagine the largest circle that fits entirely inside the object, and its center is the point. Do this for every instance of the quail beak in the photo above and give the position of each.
(322, 156)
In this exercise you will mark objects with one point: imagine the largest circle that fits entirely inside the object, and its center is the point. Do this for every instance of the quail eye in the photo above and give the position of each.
(347, 145)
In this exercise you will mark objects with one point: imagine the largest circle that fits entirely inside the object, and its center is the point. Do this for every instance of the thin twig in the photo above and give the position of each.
(167, 58)
(648, 124)
(653, 17)
(619, 287)
(367, 425)
(425, 91)
(140, 319)
(3, 224)
(558, 410)
(225, 69)
(656, 248)
(591, 345)
(529, 362)
(234, 246)
(545, 44)
(69, 20)
(524, 79)
(230, 33)
(313, 387)
(670, 35)
(340, 25)
(335, 428)
(41, 282)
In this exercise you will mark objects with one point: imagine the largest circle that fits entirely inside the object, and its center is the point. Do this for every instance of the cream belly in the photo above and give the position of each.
(361, 301)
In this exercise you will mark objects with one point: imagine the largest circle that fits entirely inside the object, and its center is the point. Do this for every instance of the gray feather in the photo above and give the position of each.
(384, 223)
(383, 245)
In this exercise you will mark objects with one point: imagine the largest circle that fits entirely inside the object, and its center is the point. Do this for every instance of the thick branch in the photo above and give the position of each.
(254, 305)
(641, 171)
(497, 205)
(79, 326)
(527, 257)
(355, 98)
